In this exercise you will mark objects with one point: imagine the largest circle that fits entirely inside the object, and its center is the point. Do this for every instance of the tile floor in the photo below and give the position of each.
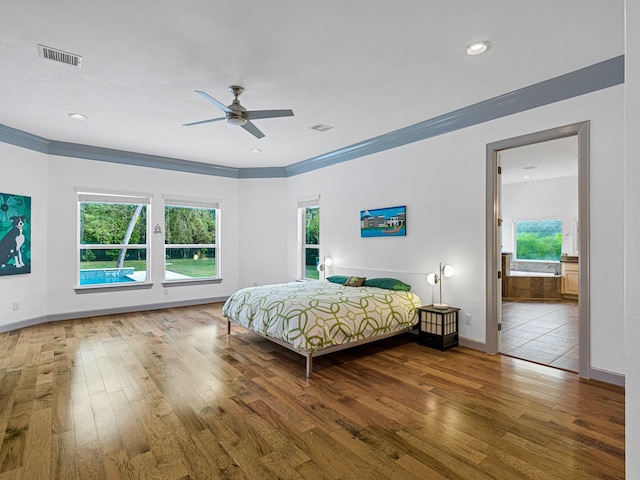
(542, 331)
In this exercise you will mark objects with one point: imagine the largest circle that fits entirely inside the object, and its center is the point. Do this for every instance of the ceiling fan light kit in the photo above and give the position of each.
(238, 120)
(236, 114)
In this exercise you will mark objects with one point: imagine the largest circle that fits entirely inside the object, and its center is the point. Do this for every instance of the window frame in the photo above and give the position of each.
(116, 198)
(303, 205)
(194, 203)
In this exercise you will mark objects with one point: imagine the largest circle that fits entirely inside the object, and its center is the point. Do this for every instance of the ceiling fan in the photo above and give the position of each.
(236, 114)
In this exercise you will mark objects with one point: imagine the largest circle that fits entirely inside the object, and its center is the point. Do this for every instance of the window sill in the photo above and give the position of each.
(190, 281)
(115, 287)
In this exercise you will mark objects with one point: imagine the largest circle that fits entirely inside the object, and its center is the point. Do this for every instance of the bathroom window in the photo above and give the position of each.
(538, 240)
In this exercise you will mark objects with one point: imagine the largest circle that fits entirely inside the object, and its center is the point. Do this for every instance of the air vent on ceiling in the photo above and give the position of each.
(529, 167)
(59, 56)
(320, 127)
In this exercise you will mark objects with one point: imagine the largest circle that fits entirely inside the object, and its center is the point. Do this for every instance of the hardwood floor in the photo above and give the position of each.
(168, 395)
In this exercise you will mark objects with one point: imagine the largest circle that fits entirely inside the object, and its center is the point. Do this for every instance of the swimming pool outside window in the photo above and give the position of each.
(112, 239)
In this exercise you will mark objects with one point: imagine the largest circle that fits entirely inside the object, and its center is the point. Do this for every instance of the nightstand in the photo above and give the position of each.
(438, 327)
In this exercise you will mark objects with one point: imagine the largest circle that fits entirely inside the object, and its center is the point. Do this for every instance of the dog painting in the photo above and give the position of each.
(15, 234)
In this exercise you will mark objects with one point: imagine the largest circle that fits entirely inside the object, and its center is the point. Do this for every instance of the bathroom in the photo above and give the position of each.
(540, 223)
(540, 279)
(539, 317)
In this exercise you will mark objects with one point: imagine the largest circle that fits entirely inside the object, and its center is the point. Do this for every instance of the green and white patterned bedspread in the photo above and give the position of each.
(316, 314)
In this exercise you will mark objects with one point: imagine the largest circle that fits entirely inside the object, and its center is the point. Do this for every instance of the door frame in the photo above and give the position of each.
(493, 266)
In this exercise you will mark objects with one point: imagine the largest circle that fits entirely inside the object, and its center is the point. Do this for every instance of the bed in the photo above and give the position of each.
(315, 318)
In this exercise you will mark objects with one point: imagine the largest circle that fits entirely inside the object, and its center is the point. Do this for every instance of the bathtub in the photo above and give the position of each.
(519, 284)
(518, 273)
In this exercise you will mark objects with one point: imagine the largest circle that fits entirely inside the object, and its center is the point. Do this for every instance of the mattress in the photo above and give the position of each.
(312, 315)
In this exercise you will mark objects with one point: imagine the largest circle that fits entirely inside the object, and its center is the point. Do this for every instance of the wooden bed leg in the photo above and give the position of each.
(228, 327)
(309, 364)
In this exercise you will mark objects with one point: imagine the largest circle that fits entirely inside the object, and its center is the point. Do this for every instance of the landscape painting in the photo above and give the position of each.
(15, 234)
(384, 222)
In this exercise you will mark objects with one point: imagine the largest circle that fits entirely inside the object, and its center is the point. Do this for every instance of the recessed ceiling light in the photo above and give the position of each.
(527, 177)
(255, 150)
(478, 48)
(78, 116)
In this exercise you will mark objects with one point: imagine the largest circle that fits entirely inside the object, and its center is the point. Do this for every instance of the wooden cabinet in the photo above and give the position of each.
(570, 278)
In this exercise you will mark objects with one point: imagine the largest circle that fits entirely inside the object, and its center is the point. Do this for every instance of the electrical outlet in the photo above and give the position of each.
(166, 292)
(467, 319)
(16, 306)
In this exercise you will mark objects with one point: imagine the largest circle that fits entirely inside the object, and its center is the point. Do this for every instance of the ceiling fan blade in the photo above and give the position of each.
(221, 106)
(203, 121)
(253, 130)
(254, 114)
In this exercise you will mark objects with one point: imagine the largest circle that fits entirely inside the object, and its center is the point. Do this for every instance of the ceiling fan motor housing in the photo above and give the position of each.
(236, 116)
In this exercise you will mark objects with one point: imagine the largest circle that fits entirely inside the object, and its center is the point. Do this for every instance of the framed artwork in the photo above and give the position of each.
(15, 234)
(384, 222)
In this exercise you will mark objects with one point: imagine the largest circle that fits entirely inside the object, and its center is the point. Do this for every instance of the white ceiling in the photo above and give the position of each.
(362, 67)
(540, 161)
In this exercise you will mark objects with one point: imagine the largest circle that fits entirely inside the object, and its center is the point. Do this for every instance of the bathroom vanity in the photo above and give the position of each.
(570, 276)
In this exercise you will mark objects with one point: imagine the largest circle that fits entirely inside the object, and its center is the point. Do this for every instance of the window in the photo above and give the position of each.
(191, 239)
(538, 240)
(309, 215)
(112, 244)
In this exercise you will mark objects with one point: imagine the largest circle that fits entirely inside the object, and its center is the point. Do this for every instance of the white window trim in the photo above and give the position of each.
(304, 203)
(193, 202)
(88, 195)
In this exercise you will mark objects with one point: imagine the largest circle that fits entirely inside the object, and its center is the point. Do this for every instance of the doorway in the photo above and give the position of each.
(495, 273)
(539, 245)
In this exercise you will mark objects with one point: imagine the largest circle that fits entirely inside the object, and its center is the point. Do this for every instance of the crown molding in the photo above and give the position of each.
(595, 77)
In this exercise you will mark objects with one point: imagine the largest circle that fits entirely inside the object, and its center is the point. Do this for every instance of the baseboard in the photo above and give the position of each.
(474, 344)
(30, 322)
(607, 377)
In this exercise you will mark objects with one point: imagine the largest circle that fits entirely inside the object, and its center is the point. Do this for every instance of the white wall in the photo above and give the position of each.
(68, 174)
(555, 198)
(24, 172)
(442, 183)
(632, 223)
(263, 235)
(51, 181)
(440, 180)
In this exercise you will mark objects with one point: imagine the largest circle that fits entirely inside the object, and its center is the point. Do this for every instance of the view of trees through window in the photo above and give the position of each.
(311, 242)
(113, 242)
(190, 242)
(538, 240)
(115, 225)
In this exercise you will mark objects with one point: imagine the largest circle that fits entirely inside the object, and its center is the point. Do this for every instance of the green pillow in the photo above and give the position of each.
(388, 283)
(341, 279)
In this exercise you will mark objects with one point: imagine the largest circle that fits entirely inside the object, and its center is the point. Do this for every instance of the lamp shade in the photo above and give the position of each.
(448, 271)
(328, 262)
(432, 279)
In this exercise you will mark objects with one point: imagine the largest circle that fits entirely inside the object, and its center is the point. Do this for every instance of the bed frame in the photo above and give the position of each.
(322, 351)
